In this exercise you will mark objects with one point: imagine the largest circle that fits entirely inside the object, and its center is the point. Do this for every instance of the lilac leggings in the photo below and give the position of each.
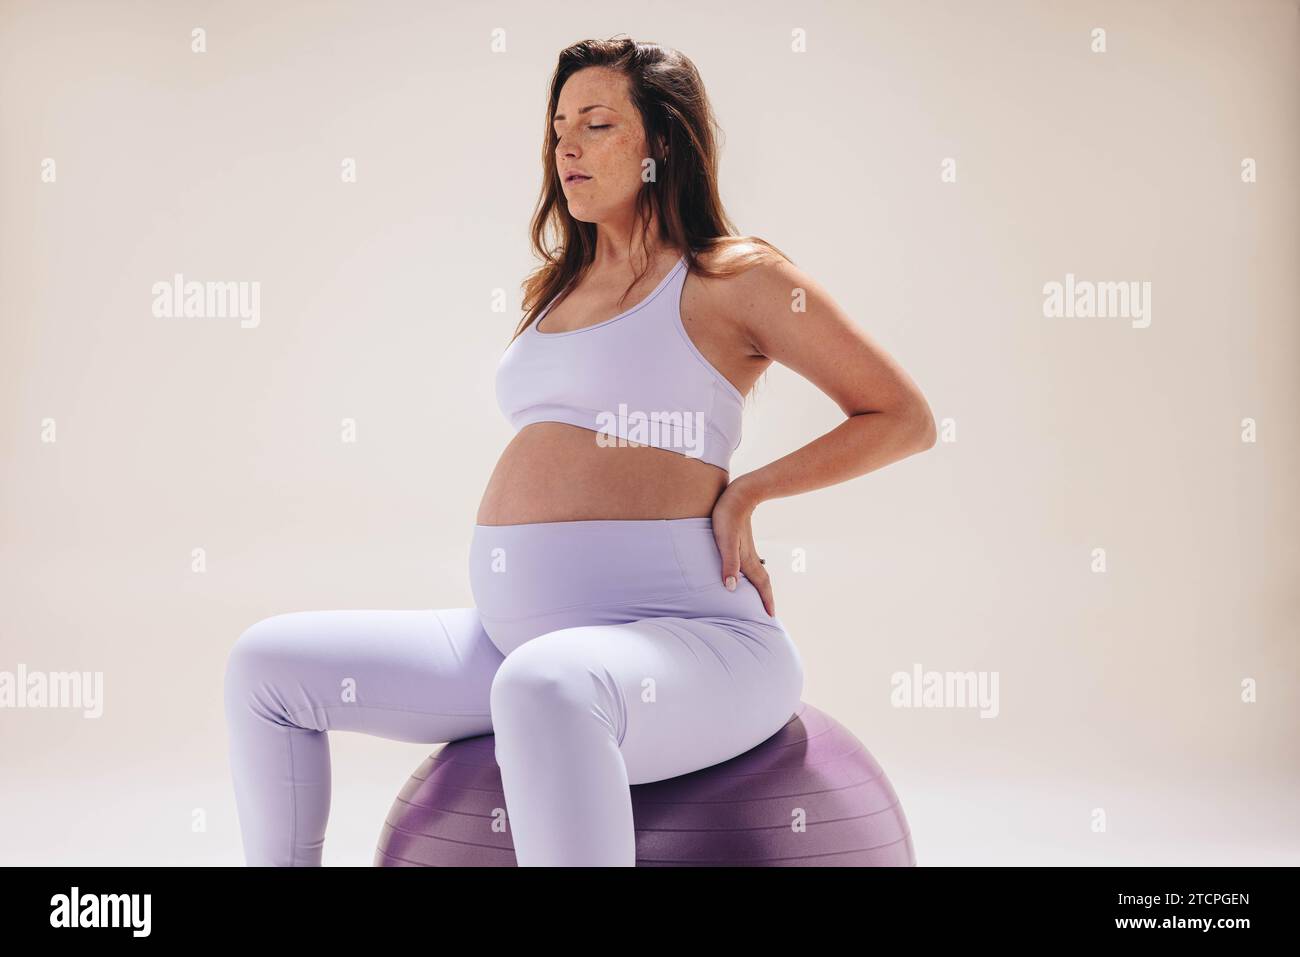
(599, 653)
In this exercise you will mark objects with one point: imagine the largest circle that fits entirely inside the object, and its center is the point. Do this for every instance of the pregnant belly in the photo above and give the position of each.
(552, 472)
(530, 579)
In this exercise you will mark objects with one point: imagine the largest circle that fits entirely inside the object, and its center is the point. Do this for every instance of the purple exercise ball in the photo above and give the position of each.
(811, 795)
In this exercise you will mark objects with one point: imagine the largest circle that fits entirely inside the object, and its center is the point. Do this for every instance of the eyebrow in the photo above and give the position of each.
(560, 116)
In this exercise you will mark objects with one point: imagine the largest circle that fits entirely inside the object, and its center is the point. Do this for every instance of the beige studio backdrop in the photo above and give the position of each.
(1107, 527)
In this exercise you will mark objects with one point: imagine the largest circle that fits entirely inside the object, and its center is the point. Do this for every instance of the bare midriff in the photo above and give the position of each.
(553, 472)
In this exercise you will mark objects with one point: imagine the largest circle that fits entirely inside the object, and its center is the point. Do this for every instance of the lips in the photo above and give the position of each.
(572, 179)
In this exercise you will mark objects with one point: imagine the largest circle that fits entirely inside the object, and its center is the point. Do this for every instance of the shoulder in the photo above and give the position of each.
(743, 275)
(740, 256)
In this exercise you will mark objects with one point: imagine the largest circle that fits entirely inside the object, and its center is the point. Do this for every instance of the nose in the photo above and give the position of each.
(565, 147)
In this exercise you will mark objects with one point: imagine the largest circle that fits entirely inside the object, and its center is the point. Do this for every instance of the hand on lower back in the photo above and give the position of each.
(735, 537)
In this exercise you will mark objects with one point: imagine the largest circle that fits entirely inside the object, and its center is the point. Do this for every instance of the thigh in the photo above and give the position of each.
(678, 694)
(420, 675)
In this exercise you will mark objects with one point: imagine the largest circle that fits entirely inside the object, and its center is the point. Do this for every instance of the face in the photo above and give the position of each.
(600, 135)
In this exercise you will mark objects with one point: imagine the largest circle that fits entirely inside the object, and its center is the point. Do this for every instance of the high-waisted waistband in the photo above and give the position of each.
(536, 577)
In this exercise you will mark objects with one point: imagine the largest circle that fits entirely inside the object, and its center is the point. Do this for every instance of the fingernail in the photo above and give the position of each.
(731, 583)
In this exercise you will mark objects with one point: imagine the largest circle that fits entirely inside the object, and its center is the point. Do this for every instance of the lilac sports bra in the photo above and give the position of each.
(637, 378)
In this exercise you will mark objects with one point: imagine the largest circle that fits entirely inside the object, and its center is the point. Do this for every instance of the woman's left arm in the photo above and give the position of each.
(887, 416)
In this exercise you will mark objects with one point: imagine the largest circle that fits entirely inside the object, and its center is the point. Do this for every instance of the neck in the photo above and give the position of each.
(620, 247)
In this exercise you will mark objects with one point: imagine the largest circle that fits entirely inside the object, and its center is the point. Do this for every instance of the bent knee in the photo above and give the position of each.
(526, 680)
(261, 644)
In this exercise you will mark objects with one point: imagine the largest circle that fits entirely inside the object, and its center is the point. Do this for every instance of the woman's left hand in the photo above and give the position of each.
(735, 540)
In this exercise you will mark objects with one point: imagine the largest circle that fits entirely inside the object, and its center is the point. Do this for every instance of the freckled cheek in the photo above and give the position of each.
(619, 160)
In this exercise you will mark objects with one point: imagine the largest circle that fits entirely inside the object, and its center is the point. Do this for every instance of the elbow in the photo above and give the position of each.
(924, 431)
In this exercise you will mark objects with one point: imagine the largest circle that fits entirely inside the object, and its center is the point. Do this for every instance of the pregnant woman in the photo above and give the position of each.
(623, 628)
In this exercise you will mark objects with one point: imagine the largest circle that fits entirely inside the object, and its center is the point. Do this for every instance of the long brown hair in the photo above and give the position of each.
(679, 123)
